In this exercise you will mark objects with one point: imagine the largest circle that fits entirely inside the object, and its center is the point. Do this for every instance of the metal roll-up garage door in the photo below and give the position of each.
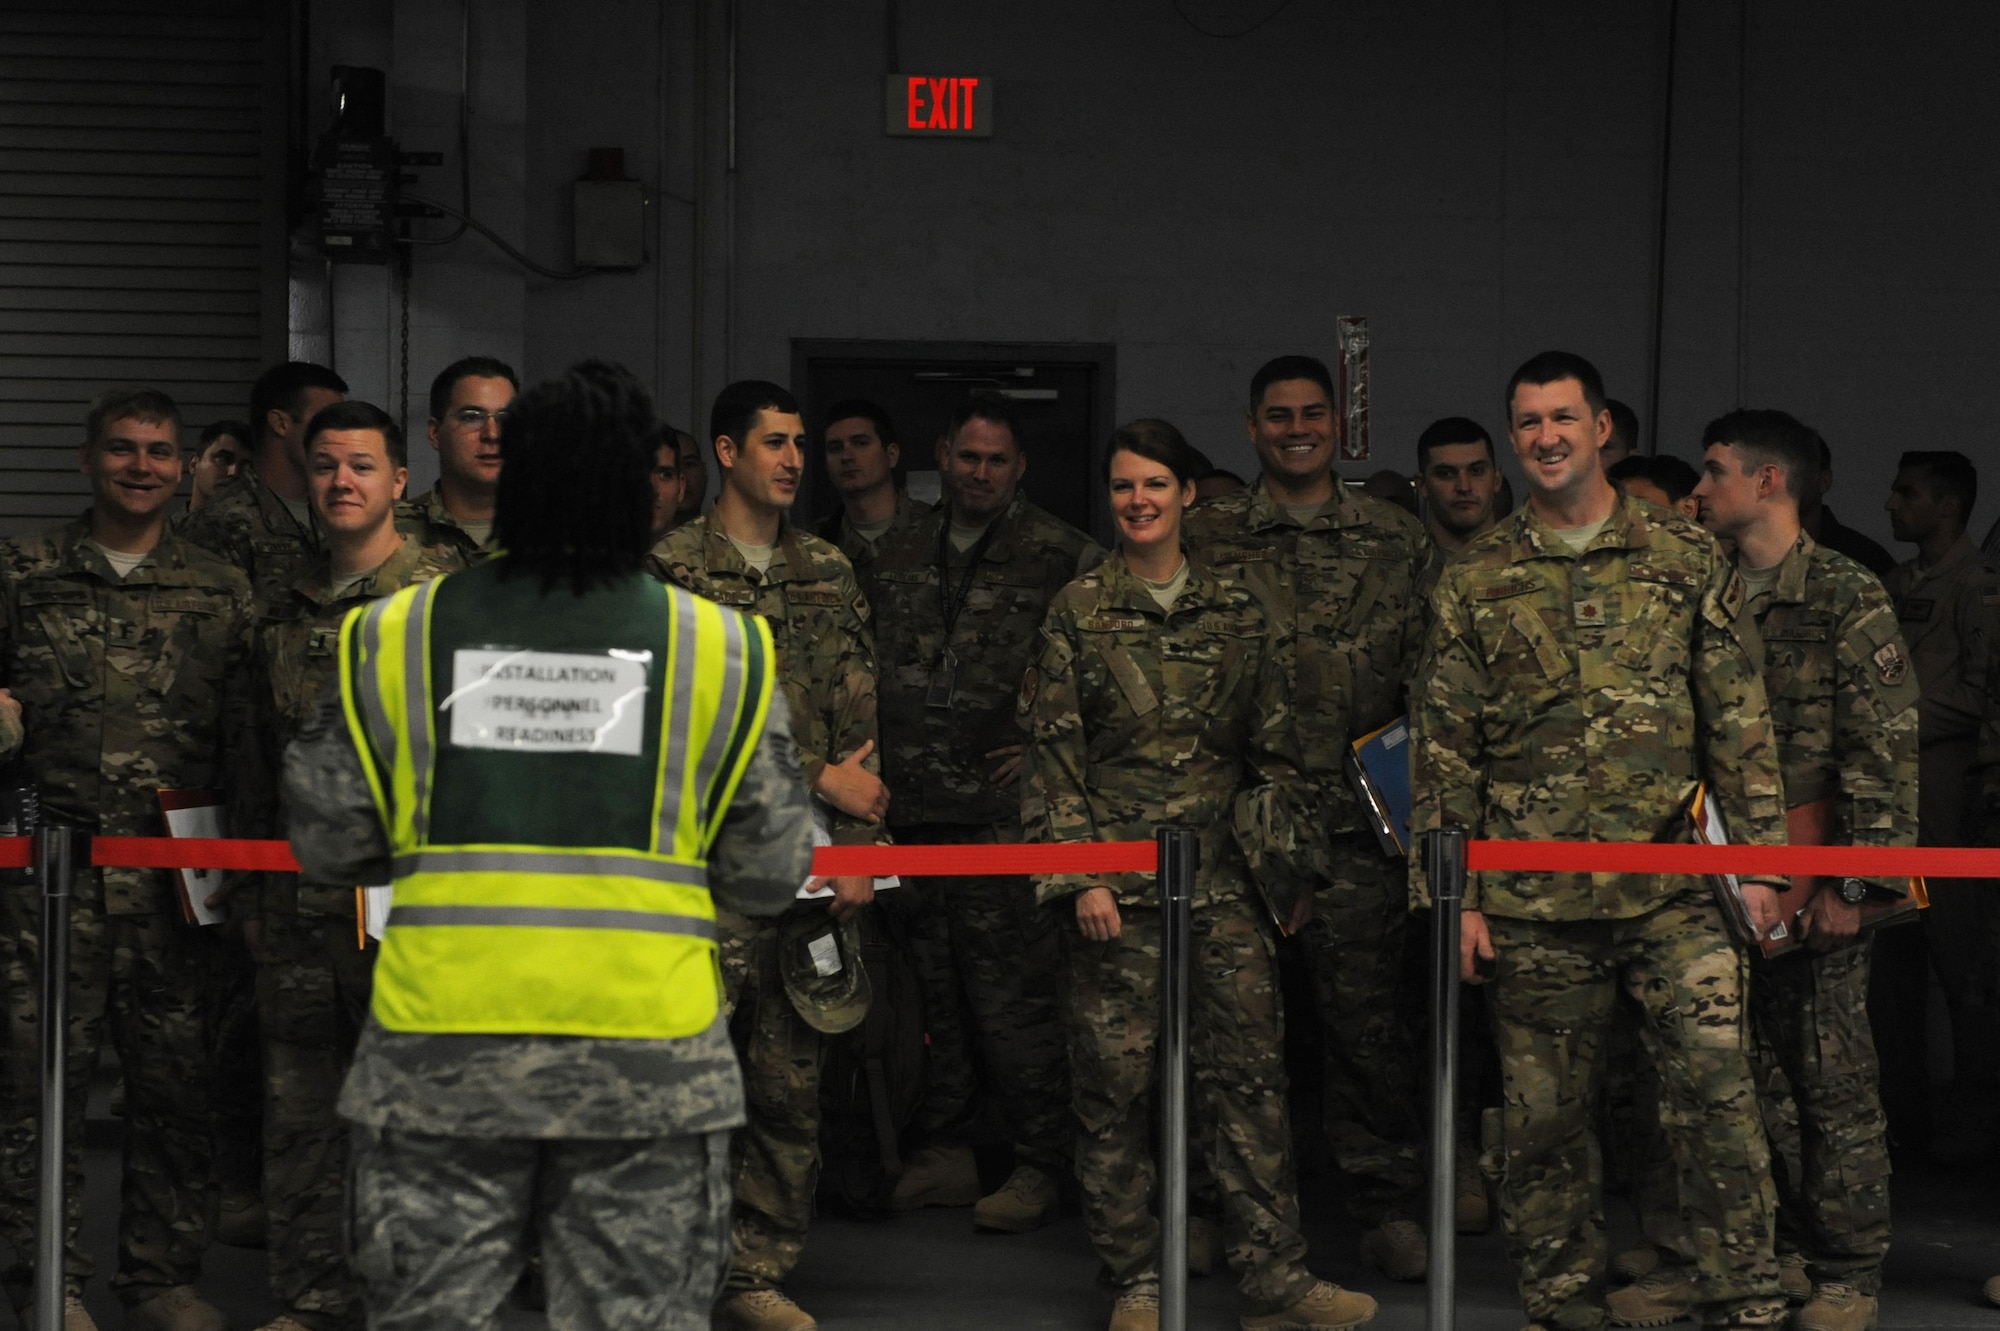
(141, 221)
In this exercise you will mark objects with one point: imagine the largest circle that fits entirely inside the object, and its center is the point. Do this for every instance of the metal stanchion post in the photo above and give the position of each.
(1176, 881)
(1444, 866)
(53, 869)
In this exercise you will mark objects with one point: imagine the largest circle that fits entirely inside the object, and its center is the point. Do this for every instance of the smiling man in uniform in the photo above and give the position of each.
(1344, 576)
(1590, 663)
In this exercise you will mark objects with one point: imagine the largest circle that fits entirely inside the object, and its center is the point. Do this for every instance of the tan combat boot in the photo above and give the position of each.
(175, 1308)
(1993, 1290)
(1137, 1309)
(240, 1221)
(1664, 1294)
(761, 1310)
(76, 1317)
(937, 1176)
(1837, 1307)
(1325, 1307)
(1028, 1200)
(1793, 1280)
(1473, 1209)
(1204, 1245)
(1636, 1263)
(1398, 1250)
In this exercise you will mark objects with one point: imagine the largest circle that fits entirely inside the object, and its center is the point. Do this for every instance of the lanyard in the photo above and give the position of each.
(948, 602)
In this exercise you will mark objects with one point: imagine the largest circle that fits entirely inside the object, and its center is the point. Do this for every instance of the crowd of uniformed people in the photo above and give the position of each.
(409, 1107)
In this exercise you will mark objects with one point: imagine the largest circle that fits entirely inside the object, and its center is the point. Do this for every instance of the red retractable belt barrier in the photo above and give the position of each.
(139, 852)
(1097, 857)
(1754, 861)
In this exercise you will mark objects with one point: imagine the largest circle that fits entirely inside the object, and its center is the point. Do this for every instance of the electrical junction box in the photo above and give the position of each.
(610, 224)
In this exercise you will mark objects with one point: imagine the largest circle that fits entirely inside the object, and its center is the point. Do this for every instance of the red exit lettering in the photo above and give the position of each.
(940, 103)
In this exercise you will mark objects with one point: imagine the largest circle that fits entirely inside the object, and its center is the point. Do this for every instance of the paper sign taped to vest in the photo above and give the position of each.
(548, 702)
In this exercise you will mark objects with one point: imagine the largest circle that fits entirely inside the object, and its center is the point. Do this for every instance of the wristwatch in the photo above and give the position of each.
(1853, 891)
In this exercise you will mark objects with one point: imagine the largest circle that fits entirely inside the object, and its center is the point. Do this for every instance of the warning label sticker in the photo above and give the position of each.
(548, 702)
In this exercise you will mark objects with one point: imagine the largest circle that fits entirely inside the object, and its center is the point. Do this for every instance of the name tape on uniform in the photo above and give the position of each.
(548, 702)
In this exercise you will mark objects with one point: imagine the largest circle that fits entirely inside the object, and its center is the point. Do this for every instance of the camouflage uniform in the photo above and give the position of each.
(1142, 718)
(246, 523)
(1347, 591)
(128, 687)
(1946, 613)
(1581, 696)
(613, 1152)
(431, 523)
(826, 664)
(989, 957)
(313, 982)
(1844, 702)
(858, 548)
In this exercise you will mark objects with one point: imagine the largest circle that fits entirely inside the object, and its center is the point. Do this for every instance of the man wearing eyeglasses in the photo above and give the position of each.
(469, 401)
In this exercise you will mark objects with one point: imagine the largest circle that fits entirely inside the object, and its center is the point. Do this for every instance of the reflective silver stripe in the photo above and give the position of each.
(417, 704)
(551, 917)
(679, 702)
(734, 667)
(550, 862)
(369, 678)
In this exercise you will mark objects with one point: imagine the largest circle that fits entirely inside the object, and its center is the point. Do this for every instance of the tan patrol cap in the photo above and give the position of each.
(821, 964)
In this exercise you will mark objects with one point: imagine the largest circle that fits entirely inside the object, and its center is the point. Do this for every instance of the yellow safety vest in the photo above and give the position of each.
(614, 939)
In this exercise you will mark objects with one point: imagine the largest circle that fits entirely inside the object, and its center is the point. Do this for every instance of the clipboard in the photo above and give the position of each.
(1805, 825)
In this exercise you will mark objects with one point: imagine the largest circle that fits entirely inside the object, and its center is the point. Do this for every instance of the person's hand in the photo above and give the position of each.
(850, 894)
(1302, 913)
(852, 788)
(1828, 922)
(253, 939)
(1475, 946)
(11, 729)
(231, 880)
(1097, 914)
(1761, 901)
(1009, 770)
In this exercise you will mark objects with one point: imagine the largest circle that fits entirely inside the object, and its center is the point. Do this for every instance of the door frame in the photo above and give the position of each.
(1101, 358)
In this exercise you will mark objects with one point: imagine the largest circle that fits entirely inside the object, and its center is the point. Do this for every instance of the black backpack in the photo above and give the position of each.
(872, 1079)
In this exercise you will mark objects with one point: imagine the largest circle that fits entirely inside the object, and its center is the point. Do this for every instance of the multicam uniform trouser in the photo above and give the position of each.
(1553, 989)
(776, 1157)
(1240, 1127)
(312, 997)
(146, 976)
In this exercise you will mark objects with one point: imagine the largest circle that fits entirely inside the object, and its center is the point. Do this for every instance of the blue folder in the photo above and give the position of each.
(1379, 766)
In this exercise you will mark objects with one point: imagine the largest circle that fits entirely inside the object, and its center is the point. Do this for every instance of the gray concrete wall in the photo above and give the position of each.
(1480, 179)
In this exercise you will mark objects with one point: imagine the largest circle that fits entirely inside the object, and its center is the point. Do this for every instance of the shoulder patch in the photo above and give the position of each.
(1890, 663)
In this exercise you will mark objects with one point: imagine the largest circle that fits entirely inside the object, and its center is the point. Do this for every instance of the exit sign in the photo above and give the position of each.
(956, 106)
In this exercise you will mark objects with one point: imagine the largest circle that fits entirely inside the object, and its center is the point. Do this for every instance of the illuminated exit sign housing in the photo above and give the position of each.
(940, 106)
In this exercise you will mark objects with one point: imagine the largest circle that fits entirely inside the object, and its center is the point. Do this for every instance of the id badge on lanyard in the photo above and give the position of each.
(943, 681)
